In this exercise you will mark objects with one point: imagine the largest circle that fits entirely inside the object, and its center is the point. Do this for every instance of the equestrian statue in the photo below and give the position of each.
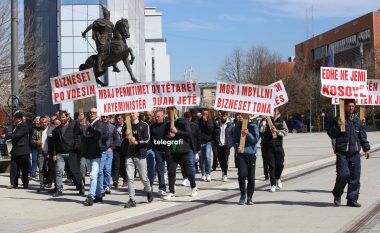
(111, 46)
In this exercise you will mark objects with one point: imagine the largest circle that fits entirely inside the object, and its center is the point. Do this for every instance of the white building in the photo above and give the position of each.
(156, 57)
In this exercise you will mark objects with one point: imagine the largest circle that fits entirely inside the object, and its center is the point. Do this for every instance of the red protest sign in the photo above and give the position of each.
(168, 94)
(343, 83)
(124, 99)
(71, 87)
(245, 98)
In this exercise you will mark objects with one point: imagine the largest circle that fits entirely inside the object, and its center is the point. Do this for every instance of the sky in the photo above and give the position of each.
(202, 33)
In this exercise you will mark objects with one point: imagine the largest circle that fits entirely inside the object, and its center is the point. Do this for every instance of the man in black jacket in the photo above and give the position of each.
(206, 125)
(178, 138)
(195, 146)
(139, 138)
(157, 135)
(20, 151)
(223, 139)
(347, 149)
(67, 145)
(94, 133)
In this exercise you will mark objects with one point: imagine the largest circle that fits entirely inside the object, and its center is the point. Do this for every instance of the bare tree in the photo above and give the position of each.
(30, 78)
(232, 68)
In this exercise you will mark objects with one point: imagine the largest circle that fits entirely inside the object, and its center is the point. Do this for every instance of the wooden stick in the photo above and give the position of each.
(270, 124)
(128, 124)
(243, 127)
(80, 107)
(171, 117)
(342, 115)
(362, 114)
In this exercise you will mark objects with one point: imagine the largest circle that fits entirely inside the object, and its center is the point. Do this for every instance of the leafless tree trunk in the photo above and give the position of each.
(31, 72)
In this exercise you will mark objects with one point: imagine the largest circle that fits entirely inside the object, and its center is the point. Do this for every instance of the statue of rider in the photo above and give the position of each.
(102, 35)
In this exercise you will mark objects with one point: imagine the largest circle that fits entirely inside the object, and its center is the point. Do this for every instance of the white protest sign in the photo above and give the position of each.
(280, 93)
(373, 97)
(75, 86)
(124, 99)
(245, 98)
(168, 94)
(343, 83)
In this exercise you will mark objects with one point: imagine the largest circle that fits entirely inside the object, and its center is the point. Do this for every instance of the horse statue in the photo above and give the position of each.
(119, 51)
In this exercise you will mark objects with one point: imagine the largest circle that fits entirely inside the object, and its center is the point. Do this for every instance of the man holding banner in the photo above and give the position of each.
(347, 147)
(246, 159)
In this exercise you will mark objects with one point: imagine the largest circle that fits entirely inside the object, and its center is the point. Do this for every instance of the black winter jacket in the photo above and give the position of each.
(228, 133)
(69, 142)
(20, 140)
(349, 142)
(207, 128)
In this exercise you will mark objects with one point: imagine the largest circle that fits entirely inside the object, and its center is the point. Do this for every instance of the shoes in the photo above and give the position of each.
(224, 178)
(279, 184)
(107, 190)
(194, 192)
(337, 201)
(67, 181)
(89, 201)
(40, 189)
(353, 203)
(161, 192)
(116, 184)
(249, 201)
(149, 196)
(125, 184)
(57, 194)
(25, 186)
(185, 182)
(272, 189)
(11, 187)
(203, 178)
(169, 196)
(49, 186)
(208, 178)
(98, 199)
(242, 200)
(266, 178)
(131, 203)
(82, 192)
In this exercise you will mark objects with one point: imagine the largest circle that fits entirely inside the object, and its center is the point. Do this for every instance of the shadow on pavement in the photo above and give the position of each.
(301, 203)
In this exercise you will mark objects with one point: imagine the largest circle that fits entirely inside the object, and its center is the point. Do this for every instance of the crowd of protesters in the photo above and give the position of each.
(103, 148)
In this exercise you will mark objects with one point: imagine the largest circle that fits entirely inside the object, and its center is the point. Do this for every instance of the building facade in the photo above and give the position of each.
(354, 44)
(156, 57)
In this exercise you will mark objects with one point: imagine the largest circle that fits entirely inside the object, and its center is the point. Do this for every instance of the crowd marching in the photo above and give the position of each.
(106, 150)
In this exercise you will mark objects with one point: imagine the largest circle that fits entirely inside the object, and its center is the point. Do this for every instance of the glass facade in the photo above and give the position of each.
(76, 15)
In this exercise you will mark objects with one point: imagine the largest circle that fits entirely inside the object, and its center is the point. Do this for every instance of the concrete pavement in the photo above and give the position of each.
(29, 211)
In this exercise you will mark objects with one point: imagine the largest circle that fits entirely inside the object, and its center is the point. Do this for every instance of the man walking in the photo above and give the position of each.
(347, 149)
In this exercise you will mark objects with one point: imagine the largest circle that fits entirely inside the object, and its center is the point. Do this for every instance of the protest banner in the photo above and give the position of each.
(71, 87)
(245, 98)
(343, 83)
(373, 97)
(175, 94)
(124, 99)
(281, 97)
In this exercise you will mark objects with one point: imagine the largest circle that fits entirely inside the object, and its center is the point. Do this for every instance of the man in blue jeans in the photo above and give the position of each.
(66, 146)
(33, 168)
(157, 134)
(107, 148)
(94, 132)
(206, 125)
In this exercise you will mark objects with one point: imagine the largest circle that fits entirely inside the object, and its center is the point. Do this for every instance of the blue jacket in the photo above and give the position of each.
(251, 139)
(349, 142)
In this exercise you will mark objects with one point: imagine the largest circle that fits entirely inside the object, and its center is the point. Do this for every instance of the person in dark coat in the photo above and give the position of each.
(20, 152)
(347, 147)
(67, 146)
